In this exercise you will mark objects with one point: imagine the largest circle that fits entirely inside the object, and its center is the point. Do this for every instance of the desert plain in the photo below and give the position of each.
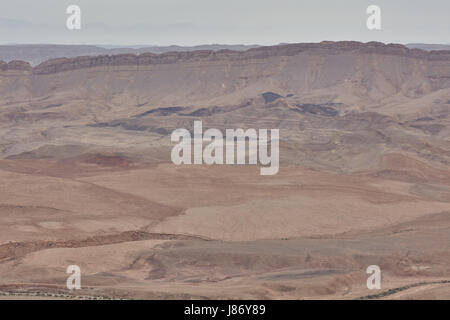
(364, 179)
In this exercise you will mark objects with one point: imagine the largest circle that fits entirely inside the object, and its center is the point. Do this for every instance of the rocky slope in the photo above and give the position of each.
(358, 100)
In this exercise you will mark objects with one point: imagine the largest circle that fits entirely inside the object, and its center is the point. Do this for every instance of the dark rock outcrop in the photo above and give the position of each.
(270, 96)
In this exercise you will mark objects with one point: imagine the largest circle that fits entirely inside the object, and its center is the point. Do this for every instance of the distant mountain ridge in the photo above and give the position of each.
(38, 53)
(150, 58)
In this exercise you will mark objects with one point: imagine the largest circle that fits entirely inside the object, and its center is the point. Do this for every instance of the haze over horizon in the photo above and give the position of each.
(173, 22)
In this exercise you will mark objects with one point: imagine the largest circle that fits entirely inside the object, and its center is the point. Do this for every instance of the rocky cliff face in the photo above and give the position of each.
(350, 72)
(66, 64)
(340, 105)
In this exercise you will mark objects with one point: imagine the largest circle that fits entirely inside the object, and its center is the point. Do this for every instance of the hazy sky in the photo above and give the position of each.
(191, 22)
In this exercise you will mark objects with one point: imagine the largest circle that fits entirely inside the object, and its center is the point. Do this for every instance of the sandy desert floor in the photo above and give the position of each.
(165, 231)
